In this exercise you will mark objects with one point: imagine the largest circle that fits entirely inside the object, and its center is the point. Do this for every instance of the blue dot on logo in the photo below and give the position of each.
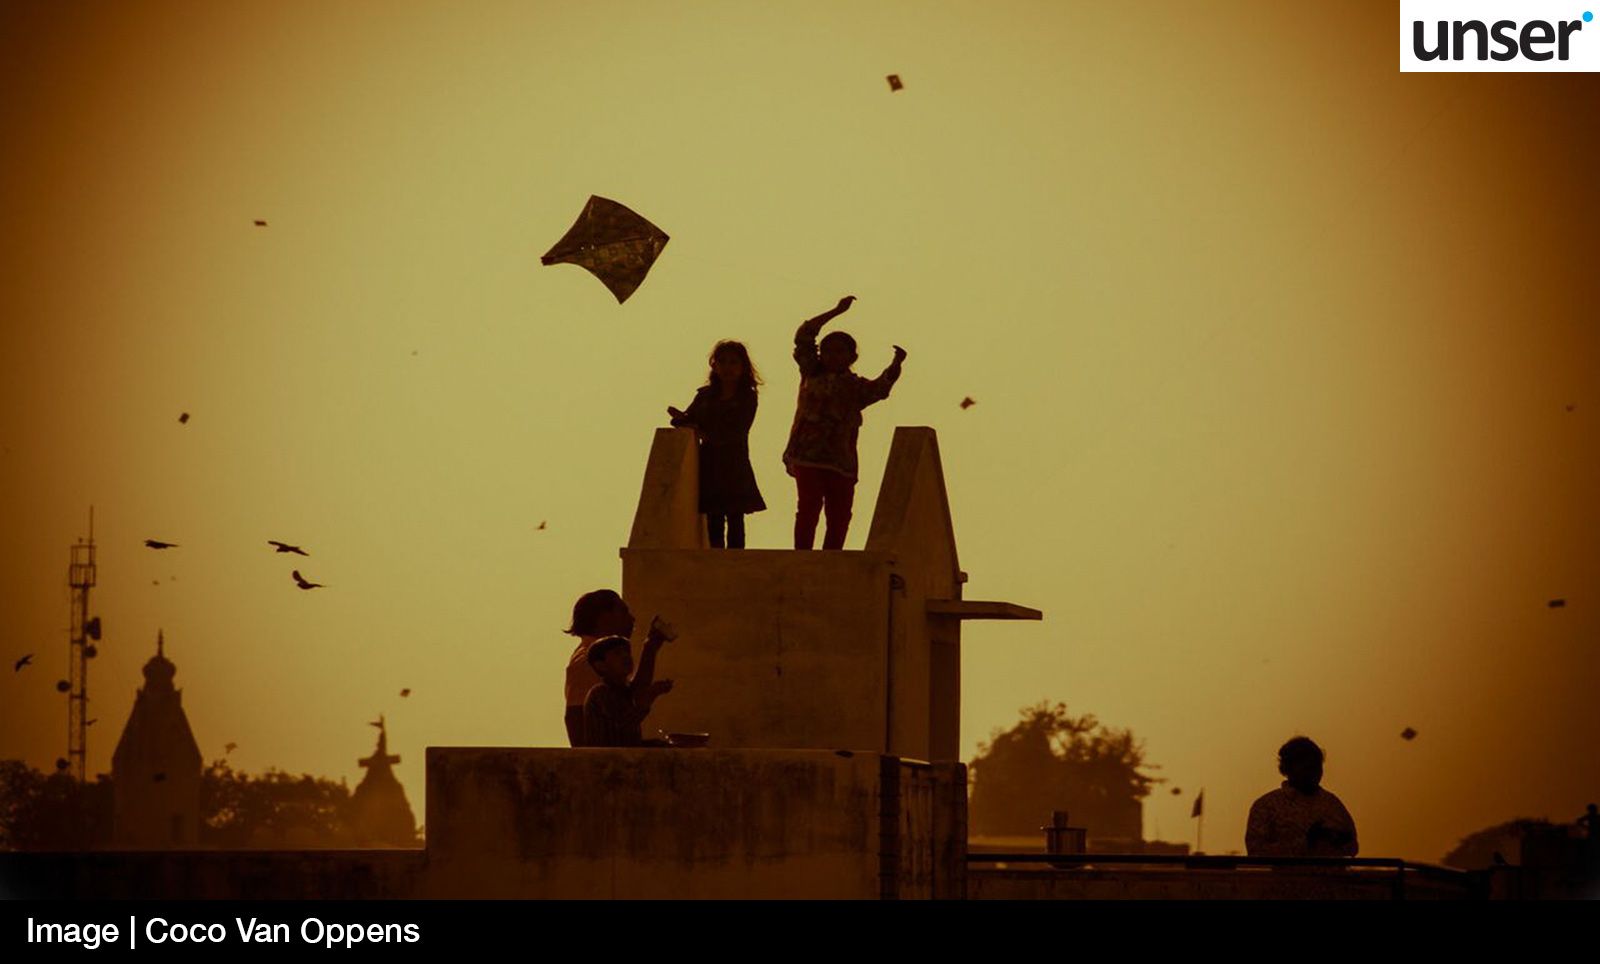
(1588, 16)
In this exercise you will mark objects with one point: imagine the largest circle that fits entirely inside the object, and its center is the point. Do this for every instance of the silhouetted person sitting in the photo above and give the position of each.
(616, 707)
(594, 616)
(1590, 822)
(1300, 819)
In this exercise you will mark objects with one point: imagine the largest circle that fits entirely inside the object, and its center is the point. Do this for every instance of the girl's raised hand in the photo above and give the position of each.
(844, 303)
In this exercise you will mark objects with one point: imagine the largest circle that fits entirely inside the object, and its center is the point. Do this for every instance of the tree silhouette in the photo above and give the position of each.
(275, 810)
(1476, 851)
(52, 811)
(1052, 760)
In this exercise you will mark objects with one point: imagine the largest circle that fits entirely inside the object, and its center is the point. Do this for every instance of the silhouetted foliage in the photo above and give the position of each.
(1052, 760)
(1476, 851)
(53, 811)
(275, 810)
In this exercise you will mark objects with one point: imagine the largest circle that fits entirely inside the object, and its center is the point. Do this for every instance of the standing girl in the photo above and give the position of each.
(721, 415)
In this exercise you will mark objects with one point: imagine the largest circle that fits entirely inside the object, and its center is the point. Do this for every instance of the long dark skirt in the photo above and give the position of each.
(727, 482)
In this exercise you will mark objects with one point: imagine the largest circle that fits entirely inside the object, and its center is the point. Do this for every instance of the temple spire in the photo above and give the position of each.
(380, 814)
(381, 758)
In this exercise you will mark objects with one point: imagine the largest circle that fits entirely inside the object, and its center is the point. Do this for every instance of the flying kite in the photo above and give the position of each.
(612, 243)
(1408, 734)
(894, 82)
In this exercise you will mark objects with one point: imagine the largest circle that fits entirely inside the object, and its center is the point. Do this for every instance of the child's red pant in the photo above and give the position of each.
(821, 488)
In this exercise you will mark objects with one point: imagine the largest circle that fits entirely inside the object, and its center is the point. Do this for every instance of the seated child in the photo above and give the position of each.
(614, 711)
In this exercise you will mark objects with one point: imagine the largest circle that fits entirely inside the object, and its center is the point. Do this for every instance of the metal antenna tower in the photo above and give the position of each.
(80, 649)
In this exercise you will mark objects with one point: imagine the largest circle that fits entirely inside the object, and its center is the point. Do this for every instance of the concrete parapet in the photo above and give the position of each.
(657, 823)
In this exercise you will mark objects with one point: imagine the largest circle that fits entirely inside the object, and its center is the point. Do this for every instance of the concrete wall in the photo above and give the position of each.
(924, 825)
(1179, 883)
(685, 824)
(668, 515)
(911, 522)
(775, 648)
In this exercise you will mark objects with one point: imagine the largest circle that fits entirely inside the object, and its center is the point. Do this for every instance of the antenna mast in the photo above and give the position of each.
(80, 649)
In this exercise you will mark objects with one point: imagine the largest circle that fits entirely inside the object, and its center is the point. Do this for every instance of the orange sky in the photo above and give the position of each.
(1272, 347)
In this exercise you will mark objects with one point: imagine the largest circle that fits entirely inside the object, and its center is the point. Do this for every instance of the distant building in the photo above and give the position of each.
(380, 816)
(155, 770)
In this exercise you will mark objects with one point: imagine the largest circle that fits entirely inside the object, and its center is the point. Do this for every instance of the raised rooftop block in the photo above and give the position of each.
(820, 649)
(660, 823)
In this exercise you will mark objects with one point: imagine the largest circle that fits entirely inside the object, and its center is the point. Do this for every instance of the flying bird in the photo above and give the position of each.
(17, 666)
(91, 722)
(157, 544)
(261, 224)
(406, 692)
(300, 581)
(894, 82)
(285, 547)
(1408, 734)
(183, 419)
(62, 686)
(611, 242)
(1557, 603)
(1571, 407)
(159, 777)
(1177, 791)
(967, 402)
(229, 747)
(542, 526)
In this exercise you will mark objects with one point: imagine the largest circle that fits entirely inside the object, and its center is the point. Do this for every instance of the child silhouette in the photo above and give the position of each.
(721, 415)
(827, 419)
